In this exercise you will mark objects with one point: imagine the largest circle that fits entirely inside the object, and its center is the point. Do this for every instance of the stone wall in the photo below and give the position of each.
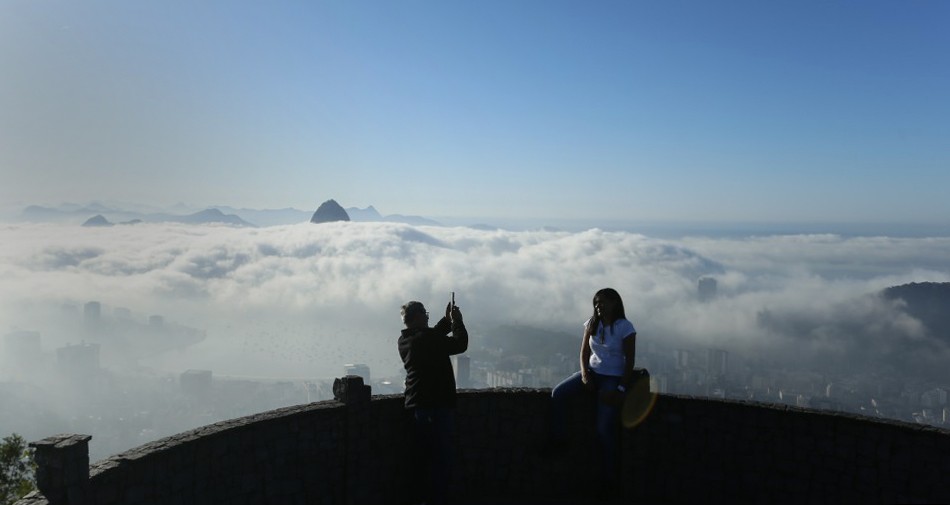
(692, 449)
(357, 450)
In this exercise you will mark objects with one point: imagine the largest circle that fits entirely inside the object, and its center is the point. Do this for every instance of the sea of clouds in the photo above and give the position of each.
(301, 300)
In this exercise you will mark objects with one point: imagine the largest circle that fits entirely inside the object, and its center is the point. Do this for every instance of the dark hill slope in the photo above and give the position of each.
(928, 302)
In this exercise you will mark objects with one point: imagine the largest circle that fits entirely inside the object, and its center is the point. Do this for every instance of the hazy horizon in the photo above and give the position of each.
(936, 227)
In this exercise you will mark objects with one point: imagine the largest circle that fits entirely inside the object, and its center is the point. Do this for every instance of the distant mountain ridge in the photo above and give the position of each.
(207, 216)
(120, 213)
(213, 216)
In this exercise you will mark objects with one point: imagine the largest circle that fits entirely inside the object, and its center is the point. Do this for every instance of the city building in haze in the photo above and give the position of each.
(684, 358)
(706, 289)
(92, 313)
(463, 371)
(196, 383)
(357, 369)
(717, 363)
(78, 359)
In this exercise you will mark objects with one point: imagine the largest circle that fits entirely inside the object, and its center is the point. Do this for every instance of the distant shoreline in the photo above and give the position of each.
(720, 229)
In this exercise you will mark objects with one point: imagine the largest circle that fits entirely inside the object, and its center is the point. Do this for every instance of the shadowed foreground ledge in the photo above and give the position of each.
(356, 451)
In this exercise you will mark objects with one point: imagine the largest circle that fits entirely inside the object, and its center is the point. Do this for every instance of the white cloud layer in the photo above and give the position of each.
(302, 299)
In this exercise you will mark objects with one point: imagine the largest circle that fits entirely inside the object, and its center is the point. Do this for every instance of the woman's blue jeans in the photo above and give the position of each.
(607, 417)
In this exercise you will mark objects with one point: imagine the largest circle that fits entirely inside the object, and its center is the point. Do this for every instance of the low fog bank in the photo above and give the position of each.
(297, 302)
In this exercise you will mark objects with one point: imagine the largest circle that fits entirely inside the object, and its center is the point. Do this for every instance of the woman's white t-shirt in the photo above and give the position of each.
(606, 345)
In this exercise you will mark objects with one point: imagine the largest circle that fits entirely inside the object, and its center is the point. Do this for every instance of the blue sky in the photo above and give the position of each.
(675, 110)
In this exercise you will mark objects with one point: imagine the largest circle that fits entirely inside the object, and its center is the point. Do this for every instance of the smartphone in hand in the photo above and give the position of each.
(450, 310)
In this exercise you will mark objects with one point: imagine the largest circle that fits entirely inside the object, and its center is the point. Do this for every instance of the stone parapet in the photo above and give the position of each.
(691, 449)
(358, 451)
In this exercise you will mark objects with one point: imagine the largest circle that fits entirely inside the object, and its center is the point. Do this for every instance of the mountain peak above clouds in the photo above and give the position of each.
(329, 211)
(97, 220)
(212, 215)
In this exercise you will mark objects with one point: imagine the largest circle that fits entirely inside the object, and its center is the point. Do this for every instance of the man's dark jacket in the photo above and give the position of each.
(430, 381)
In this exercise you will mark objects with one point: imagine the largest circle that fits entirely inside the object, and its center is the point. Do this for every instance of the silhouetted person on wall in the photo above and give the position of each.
(607, 353)
(430, 390)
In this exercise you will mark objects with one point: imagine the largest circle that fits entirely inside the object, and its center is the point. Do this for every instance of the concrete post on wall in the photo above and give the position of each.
(62, 469)
(351, 390)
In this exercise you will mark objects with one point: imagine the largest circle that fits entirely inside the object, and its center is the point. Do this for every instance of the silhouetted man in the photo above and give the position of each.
(430, 389)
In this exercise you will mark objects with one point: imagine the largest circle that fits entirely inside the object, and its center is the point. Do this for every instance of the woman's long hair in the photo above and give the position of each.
(608, 294)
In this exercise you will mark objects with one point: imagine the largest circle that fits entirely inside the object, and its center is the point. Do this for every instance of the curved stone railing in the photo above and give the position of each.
(356, 450)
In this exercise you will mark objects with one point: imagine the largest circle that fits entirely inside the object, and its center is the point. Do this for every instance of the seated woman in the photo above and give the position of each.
(606, 361)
